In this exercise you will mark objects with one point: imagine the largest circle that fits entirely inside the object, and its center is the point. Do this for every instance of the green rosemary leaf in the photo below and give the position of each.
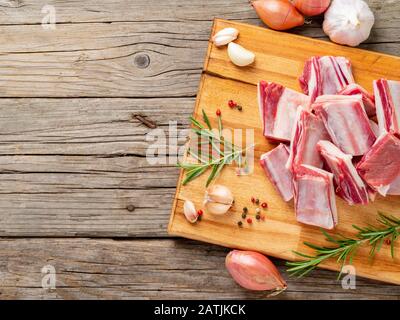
(215, 171)
(196, 123)
(393, 239)
(194, 173)
(346, 248)
(206, 120)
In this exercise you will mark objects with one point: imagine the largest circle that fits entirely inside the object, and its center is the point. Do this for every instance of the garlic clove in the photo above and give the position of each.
(190, 212)
(225, 36)
(219, 193)
(218, 199)
(239, 55)
(217, 208)
(254, 271)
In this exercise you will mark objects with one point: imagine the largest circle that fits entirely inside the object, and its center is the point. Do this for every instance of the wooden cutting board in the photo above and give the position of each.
(280, 58)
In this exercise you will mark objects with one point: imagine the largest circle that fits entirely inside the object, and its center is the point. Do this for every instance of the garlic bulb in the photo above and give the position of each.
(225, 36)
(348, 22)
(218, 199)
(239, 55)
(190, 212)
(254, 271)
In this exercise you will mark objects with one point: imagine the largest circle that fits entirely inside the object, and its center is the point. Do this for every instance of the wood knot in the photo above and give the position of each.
(130, 207)
(141, 60)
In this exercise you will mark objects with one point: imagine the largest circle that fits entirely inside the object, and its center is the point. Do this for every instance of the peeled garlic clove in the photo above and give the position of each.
(254, 271)
(217, 208)
(218, 199)
(225, 36)
(189, 211)
(239, 55)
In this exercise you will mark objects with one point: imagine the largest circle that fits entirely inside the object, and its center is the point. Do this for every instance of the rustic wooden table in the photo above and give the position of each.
(76, 190)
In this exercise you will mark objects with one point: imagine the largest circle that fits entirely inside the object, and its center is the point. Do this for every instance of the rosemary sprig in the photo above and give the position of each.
(345, 248)
(206, 134)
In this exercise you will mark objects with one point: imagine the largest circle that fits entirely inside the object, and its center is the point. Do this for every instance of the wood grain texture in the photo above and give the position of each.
(72, 166)
(151, 269)
(279, 58)
(92, 51)
(48, 145)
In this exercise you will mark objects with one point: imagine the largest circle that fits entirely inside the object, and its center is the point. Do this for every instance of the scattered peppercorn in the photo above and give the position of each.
(258, 210)
(200, 212)
(240, 223)
(258, 217)
(257, 201)
(388, 242)
(264, 205)
(253, 199)
(218, 112)
(244, 215)
(231, 104)
(239, 108)
(249, 220)
(245, 210)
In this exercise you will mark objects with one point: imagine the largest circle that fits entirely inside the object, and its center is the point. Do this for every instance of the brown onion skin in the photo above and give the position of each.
(254, 271)
(311, 7)
(278, 14)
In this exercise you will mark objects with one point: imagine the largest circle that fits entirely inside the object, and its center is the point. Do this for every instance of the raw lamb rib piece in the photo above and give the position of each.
(368, 99)
(273, 163)
(308, 130)
(278, 106)
(387, 99)
(325, 75)
(349, 184)
(348, 124)
(314, 197)
(380, 166)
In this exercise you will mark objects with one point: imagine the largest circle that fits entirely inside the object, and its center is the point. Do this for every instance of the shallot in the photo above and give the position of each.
(311, 7)
(278, 14)
(254, 271)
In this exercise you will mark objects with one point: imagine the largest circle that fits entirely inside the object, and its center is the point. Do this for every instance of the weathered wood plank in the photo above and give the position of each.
(132, 57)
(162, 269)
(103, 127)
(73, 166)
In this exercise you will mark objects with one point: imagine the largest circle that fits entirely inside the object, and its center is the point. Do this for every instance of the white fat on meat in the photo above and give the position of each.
(387, 101)
(278, 106)
(325, 75)
(349, 184)
(347, 123)
(314, 197)
(307, 131)
(273, 163)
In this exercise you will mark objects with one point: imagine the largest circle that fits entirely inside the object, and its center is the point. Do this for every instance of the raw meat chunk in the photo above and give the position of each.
(308, 130)
(349, 184)
(387, 99)
(348, 124)
(368, 99)
(314, 197)
(278, 106)
(380, 166)
(325, 75)
(273, 163)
